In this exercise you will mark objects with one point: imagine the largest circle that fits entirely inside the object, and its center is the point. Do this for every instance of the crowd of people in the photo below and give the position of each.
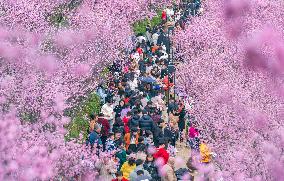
(141, 120)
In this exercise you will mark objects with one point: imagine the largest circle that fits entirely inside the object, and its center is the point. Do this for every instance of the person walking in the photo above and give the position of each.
(205, 152)
(150, 166)
(139, 166)
(128, 167)
(146, 122)
(131, 140)
(107, 111)
(105, 129)
(94, 137)
(168, 169)
(141, 176)
(162, 152)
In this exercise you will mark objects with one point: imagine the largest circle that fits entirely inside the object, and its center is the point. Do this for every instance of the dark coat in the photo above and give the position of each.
(118, 126)
(181, 122)
(142, 66)
(146, 123)
(157, 135)
(134, 121)
(152, 169)
(171, 135)
(117, 109)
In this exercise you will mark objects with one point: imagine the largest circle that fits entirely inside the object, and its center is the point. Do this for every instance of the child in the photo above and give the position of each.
(110, 145)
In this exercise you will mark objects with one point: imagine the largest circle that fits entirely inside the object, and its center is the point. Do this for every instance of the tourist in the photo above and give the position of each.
(141, 145)
(107, 111)
(162, 152)
(150, 166)
(148, 139)
(121, 153)
(168, 171)
(104, 130)
(128, 166)
(110, 145)
(125, 121)
(131, 139)
(118, 125)
(94, 137)
(117, 109)
(93, 121)
(146, 122)
(193, 138)
(139, 166)
(134, 121)
(205, 152)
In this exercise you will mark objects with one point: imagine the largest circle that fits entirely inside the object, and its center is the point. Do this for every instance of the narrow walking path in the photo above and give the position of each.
(143, 122)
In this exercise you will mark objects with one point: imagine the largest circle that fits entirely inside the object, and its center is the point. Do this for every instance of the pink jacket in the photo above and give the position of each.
(192, 132)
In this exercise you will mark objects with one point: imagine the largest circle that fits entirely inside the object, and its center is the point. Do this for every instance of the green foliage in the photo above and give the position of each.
(104, 73)
(80, 117)
(58, 17)
(29, 115)
(139, 27)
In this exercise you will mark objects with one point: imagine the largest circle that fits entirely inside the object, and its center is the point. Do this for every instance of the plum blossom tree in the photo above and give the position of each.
(51, 51)
(234, 69)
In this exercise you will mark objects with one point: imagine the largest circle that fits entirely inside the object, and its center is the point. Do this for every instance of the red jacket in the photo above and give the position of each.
(140, 50)
(123, 179)
(126, 100)
(105, 126)
(164, 15)
(167, 83)
(125, 120)
(162, 153)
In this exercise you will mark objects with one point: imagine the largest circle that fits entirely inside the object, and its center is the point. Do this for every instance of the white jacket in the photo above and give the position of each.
(155, 37)
(141, 38)
(108, 112)
(133, 84)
